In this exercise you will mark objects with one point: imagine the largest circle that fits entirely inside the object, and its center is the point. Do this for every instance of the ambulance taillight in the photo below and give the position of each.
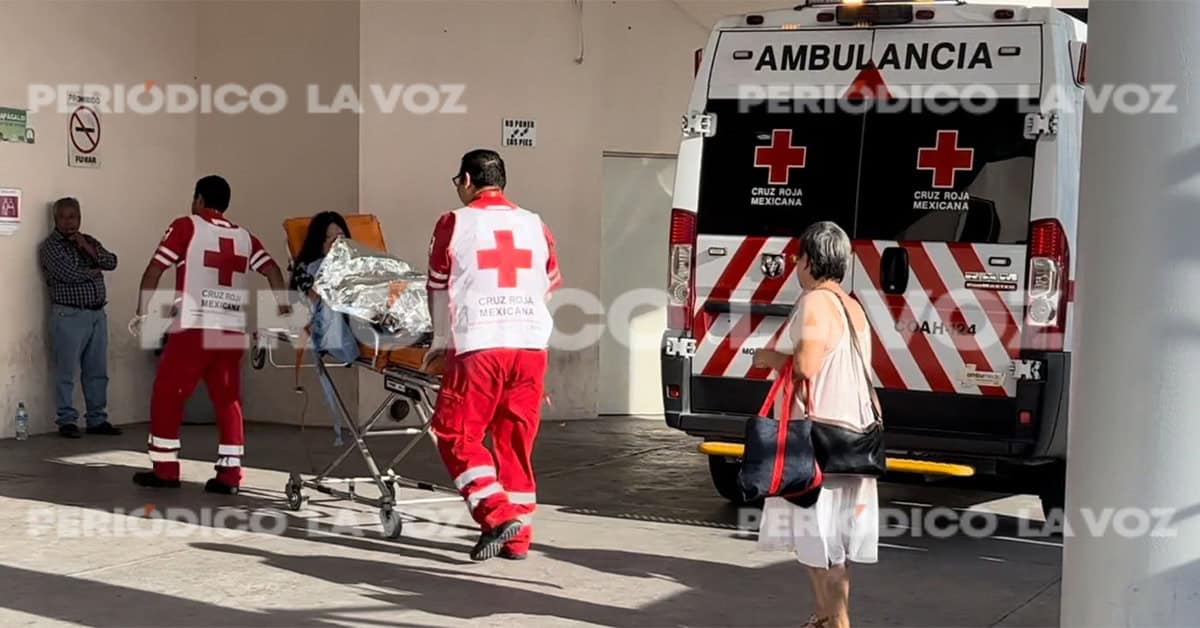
(680, 284)
(1047, 290)
(698, 60)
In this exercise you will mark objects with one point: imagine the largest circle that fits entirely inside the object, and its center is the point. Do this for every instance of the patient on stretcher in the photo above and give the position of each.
(365, 303)
(331, 332)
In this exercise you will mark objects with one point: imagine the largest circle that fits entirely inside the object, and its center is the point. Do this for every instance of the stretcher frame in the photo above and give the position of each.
(412, 386)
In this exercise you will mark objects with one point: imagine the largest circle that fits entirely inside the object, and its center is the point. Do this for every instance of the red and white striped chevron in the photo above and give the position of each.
(915, 346)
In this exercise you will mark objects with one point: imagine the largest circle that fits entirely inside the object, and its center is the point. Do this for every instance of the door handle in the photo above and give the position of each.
(893, 270)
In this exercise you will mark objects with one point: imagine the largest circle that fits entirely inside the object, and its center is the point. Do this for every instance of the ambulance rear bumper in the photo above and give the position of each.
(933, 425)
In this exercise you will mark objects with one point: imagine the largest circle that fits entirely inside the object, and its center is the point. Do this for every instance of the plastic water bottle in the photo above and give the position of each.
(22, 422)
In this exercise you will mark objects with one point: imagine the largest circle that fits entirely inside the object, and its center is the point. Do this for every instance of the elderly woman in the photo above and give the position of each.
(831, 386)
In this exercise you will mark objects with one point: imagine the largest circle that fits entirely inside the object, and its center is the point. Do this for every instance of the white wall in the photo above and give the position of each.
(146, 176)
(285, 164)
(518, 59)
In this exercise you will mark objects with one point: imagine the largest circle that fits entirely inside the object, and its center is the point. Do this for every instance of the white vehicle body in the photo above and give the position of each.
(945, 139)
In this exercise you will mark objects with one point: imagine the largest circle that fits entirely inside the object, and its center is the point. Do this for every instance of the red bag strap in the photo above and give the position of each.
(784, 385)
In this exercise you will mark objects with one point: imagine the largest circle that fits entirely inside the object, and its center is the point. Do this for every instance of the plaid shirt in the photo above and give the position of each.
(75, 278)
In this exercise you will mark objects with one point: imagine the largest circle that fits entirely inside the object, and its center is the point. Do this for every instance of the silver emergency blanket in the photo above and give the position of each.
(375, 287)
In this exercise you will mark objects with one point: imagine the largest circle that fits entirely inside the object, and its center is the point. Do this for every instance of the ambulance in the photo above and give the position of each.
(945, 139)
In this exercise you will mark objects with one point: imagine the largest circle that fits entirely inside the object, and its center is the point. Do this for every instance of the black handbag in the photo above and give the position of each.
(841, 450)
(779, 460)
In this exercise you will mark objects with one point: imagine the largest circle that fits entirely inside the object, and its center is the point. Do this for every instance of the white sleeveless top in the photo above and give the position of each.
(839, 394)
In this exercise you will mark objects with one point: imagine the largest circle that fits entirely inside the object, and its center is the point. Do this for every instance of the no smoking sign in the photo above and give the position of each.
(83, 138)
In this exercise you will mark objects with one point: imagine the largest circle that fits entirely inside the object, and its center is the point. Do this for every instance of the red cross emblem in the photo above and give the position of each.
(946, 159)
(226, 261)
(506, 259)
(780, 157)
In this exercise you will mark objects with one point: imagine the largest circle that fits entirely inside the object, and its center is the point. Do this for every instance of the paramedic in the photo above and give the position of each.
(492, 267)
(212, 257)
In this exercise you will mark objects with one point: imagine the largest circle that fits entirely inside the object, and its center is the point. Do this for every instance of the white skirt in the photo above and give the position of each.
(842, 526)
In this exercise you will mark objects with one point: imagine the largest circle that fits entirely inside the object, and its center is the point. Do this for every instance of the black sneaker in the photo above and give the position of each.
(104, 428)
(68, 431)
(150, 480)
(490, 543)
(216, 486)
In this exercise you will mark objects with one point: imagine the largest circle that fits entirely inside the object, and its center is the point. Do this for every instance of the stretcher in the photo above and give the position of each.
(410, 390)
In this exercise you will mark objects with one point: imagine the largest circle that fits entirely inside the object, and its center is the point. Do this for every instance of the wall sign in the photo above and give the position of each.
(519, 133)
(14, 126)
(83, 135)
(10, 210)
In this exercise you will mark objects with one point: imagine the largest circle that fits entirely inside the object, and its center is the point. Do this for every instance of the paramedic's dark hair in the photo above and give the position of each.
(828, 250)
(485, 167)
(215, 192)
(64, 203)
(314, 241)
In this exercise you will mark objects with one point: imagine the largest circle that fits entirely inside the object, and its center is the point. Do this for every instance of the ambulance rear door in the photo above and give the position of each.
(944, 215)
(783, 156)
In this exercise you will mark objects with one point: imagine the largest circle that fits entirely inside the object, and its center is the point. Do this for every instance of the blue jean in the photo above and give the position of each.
(80, 340)
(333, 337)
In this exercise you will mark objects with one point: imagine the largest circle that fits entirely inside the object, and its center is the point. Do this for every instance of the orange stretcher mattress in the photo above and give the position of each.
(405, 357)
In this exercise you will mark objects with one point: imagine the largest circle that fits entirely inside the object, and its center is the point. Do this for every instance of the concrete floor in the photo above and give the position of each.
(630, 534)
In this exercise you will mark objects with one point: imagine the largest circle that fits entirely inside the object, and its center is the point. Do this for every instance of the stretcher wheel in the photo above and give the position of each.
(393, 525)
(399, 410)
(295, 497)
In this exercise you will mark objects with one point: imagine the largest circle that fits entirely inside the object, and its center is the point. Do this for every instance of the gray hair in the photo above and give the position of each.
(64, 203)
(828, 250)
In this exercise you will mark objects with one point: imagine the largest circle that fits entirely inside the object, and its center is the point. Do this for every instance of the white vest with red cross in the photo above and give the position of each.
(215, 295)
(499, 280)
(214, 257)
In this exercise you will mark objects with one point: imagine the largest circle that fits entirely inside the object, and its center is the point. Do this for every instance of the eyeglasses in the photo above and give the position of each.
(456, 179)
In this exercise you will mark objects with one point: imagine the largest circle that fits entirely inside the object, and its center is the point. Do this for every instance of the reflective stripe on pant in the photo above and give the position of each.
(190, 356)
(496, 391)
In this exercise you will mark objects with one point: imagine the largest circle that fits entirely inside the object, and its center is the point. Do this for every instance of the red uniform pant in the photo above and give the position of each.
(192, 356)
(497, 393)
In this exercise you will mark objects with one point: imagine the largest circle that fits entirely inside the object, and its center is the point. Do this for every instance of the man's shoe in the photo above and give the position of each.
(490, 543)
(216, 486)
(104, 428)
(68, 431)
(150, 480)
(511, 554)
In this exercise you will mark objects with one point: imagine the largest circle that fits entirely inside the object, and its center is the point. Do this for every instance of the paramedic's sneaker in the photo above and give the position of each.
(104, 428)
(216, 486)
(149, 479)
(511, 554)
(490, 543)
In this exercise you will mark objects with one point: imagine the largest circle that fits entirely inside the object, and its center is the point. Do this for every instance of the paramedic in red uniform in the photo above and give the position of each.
(206, 342)
(492, 267)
